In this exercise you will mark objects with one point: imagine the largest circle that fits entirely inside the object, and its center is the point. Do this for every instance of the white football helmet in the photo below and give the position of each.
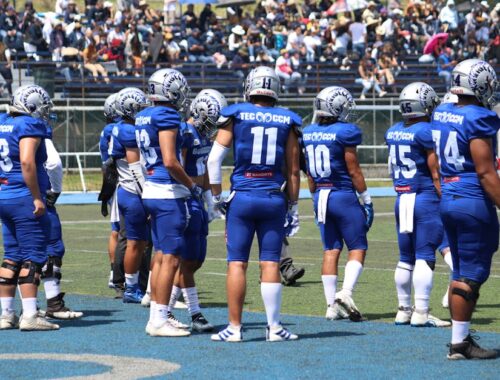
(31, 100)
(477, 78)
(169, 85)
(129, 101)
(417, 99)
(334, 101)
(450, 98)
(205, 110)
(109, 107)
(262, 81)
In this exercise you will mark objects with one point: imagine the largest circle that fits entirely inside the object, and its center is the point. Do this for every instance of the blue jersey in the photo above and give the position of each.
(122, 137)
(260, 136)
(104, 141)
(197, 150)
(149, 122)
(408, 147)
(325, 153)
(453, 127)
(12, 130)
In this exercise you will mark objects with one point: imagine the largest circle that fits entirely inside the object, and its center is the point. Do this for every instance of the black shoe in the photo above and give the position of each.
(469, 349)
(57, 309)
(200, 324)
(291, 275)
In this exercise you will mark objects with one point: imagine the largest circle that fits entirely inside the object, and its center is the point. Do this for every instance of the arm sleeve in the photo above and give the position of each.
(103, 147)
(53, 166)
(350, 135)
(214, 163)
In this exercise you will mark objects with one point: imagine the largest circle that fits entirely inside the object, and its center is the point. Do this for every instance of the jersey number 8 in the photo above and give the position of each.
(144, 142)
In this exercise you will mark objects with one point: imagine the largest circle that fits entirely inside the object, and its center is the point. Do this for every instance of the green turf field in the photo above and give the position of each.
(86, 268)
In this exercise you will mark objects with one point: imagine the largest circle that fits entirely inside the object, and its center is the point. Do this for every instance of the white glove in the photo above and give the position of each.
(292, 224)
(212, 212)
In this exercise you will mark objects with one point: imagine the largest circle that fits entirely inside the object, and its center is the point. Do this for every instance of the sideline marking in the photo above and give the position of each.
(122, 367)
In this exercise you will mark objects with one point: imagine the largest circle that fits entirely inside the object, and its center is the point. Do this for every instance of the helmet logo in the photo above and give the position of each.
(481, 78)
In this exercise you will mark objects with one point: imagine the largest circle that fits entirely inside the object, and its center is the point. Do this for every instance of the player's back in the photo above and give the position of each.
(123, 137)
(325, 153)
(453, 128)
(408, 147)
(12, 130)
(197, 150)
(260, 135)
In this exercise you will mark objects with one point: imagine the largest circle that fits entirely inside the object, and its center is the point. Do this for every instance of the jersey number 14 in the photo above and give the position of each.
(451, 153)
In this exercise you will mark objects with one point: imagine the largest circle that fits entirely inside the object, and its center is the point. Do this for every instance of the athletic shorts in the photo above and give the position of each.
(133, 212)
(25, 236)
(427, 233)
(56, 244)
(345, 222)
(169, 219)
(260, 212)
(195, 236)
(472, 229)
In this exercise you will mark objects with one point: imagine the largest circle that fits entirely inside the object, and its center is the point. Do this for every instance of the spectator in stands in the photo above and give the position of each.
(60, 6)
(8, 21)
(493, 55)
(96, 12)
(14, 42)
(5, 68)
(205, 17)
(449, 15)
(71, 12)
(285, 71)
(90, 56)
(445, 65)
(263, 57)
(312, 42)
(173, 50)
(116, 33)
(169, 7)
(189, 18)
(253, 42)
(358, 33)
(76, 38)
(35, 44)
(341, 39)
(235, 40)
(295, 40)
(370, 15)
(240, 63)
(57, 41)
(133, 45)
(144, 12)
(368, 77)
(196, 48)
(388, 69)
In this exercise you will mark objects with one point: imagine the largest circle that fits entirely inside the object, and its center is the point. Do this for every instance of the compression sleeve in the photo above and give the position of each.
(53, 166)
(214, 163)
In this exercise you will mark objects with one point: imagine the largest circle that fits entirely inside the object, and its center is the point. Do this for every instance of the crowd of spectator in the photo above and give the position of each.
(372, 38)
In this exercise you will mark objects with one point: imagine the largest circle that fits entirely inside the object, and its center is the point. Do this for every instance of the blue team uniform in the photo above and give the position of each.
(164, 198)
(197, 150)
(408, 147)
(468, 215)
(325, 151)
(129, 203)
(104, 141)
(25, 236)
(259, 206)
(56, 244)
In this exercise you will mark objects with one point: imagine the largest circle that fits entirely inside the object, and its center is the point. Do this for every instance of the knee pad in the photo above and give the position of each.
(30, 278)
(431, 264)
(468, 295)
(15, 268)
(52, 268)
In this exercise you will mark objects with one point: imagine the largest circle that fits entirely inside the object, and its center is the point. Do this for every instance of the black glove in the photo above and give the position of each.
(51, 198)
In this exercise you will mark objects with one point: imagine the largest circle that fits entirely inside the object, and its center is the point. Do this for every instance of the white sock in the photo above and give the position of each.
(191, 299)
(402, 278)
(448, 260)
(7, 305)
(459, 331)
(271, 295)
(131, 279)
(353, 270)
(422, 283)
(174, 296)
(29, 307)
(52, 287)
(160, 315)
(329, 287)
(148, 288)
(152, 307)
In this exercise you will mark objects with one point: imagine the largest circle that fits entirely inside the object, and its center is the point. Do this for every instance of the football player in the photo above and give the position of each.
(465, 137)
(265, 141)
(415, 173)
(25, 224)
(335, 176)
(165, 191)
(111, 119)
(131, 172)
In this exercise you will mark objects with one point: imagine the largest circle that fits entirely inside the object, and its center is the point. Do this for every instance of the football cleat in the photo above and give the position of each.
(279, 334)
(166, 330)
(469, 349)
(200, 324)
(423, 319)
(444, 301)
(180, 305)
(148, 327)
(111, 285)
(57, 309)
(36, 323)
(229, 334)
(146, 300)
(175, 322)
(336, 312)
(9, 322)
(346, 302)
(132, 294)
(403, 317)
